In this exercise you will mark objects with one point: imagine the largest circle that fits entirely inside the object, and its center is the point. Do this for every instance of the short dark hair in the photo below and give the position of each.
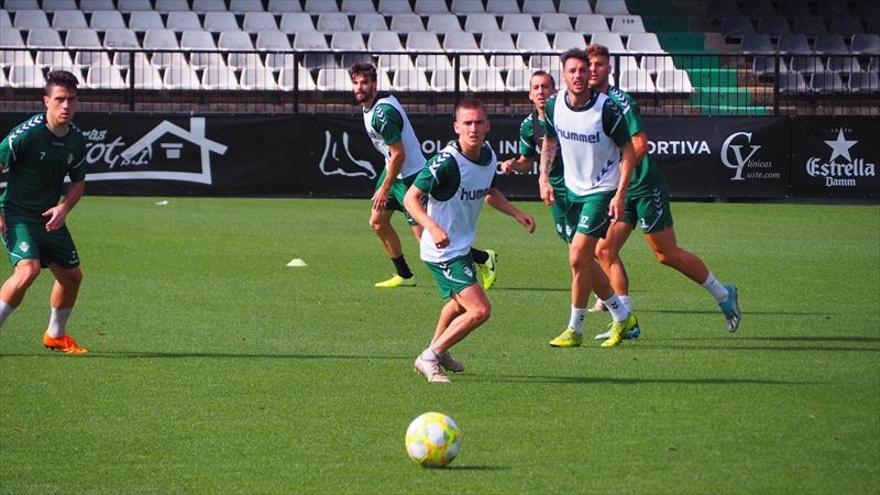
(468, 103)
(60, 78)
(363, 68)
(575, 53)
(543, 73)
(597, 50)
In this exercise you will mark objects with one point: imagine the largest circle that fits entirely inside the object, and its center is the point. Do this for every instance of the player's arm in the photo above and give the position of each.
(496, 199)
(527, 151)
(428, 179)
(549, 145)
(390, 125)
(615, 126)
(10, 148)
(58, 214)
(640, 145)
(519, 164)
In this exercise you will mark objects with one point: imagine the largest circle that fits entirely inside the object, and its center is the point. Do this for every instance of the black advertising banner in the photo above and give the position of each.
(332, 156)
(835, 157)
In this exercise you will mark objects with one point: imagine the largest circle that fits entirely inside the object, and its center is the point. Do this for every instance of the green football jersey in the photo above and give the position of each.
(37, 162)
(646, 175)
(530, 134)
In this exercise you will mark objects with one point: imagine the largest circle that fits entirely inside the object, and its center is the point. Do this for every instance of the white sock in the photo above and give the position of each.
(58, 322)
(626, 302)
(619, 311)
(576, 321)
(715, 288)
(6, 309)
(429, 355)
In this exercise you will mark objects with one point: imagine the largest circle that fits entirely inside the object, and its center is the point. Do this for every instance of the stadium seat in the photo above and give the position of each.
(793, 8)
(120, 39)
(833, 8)
(15, 5)
(590, 23)
(11, 38)
(507, 62)
(757, 9)
(85, 59)
(348, 41)
(143, 20)
(756, 43)
(497, 41)
(315, 61)
(430, 7)
(829, 43)
(310, 40)
(502, 7)
(82, 38)
(473, 61)
(554, 23)
(636, 81)
(3, 81)
(30, 19)
(246, 6)
(865, 44)
(320, 6)
(55, 5)
(69, 19)
(460, 42)
(5, 20)
(433, 62)
(219, 78)
(44, 38)
(844, 65)
(874, 64)
(774, 25)
(365, 23)
(466, 7)
(8, 58)
(103, 20)
(443, 23)
(166, 6)
(766, 65)
(736, 25)
(444, 81)
(806, 64)
(395, 62)
(257, 79)
(625, 24)
(53, 59)
(220, 21)
(205, 6)
(181, 77)
(384, 41)
(625, 62)
(644, 43)
(127, 6)
(333, 80)
(200, 44)
(574, 7)
(238, 41)
(512, 23)
(296, 22)
(517, 80)
(611, 7)
(274, 41)
(410, 80)
(673, 81)
(162, 39)
(358, 7)
(95, 5)
(488, 79)
(346, 60)
(792, 82)
(532, 41)
(254, 22)
(183, 21)
(104, 77)
(406, 23)
(547, 63)
(846, 26)
(303, 81)
(793, 43)
(283, 6)
(611, 40)
(394, 7)
(808, 25)
(827, 82)
(333, 22)
(481, 23)
(423, 41)
(26, 76)
(655, 64)
(538, 7)
(564, 41)
(865, 82)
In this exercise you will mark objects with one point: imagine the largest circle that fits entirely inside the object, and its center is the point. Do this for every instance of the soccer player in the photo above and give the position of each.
(647, 201)
(38, 154)
(599, 158)
(455, 183)
(542, 86)
(392, 134)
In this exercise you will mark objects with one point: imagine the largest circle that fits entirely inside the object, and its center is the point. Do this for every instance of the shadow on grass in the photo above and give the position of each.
(793, 338)
(746, 313)
(631, 381)
(209, 355)
(475, 468)
(802, 348)
(532, 289)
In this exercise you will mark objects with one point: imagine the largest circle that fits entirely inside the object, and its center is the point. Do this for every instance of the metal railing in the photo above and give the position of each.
(431, 82)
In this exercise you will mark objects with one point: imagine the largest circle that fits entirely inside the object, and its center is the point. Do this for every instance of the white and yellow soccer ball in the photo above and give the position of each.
(433, 440)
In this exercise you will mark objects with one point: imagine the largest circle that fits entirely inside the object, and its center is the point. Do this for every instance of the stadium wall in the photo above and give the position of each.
(331, 155)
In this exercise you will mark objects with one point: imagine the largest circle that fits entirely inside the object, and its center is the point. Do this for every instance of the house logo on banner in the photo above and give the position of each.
(842, 169)
(158, 155)
(337, 159)
(740, 154)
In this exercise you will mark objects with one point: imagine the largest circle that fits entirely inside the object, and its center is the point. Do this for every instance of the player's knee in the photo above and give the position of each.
(377, 224)
(605, 254)
(72, 278)
(482, 313)
(578, 260)
(25, 274)
(665, 257)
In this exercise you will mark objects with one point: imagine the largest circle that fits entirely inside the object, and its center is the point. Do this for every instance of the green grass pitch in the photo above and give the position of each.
(215, 368)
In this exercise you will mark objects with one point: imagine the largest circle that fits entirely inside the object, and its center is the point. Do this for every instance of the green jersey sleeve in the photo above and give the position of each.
(440, 177)
(547, 124)
(389, 123)
(527, 147)
(11, 147)
(614, 123)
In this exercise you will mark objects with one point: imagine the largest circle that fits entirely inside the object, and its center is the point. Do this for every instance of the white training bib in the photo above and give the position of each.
(414, 160)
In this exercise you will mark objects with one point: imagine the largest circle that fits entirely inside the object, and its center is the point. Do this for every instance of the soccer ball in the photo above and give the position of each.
(433, 440)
